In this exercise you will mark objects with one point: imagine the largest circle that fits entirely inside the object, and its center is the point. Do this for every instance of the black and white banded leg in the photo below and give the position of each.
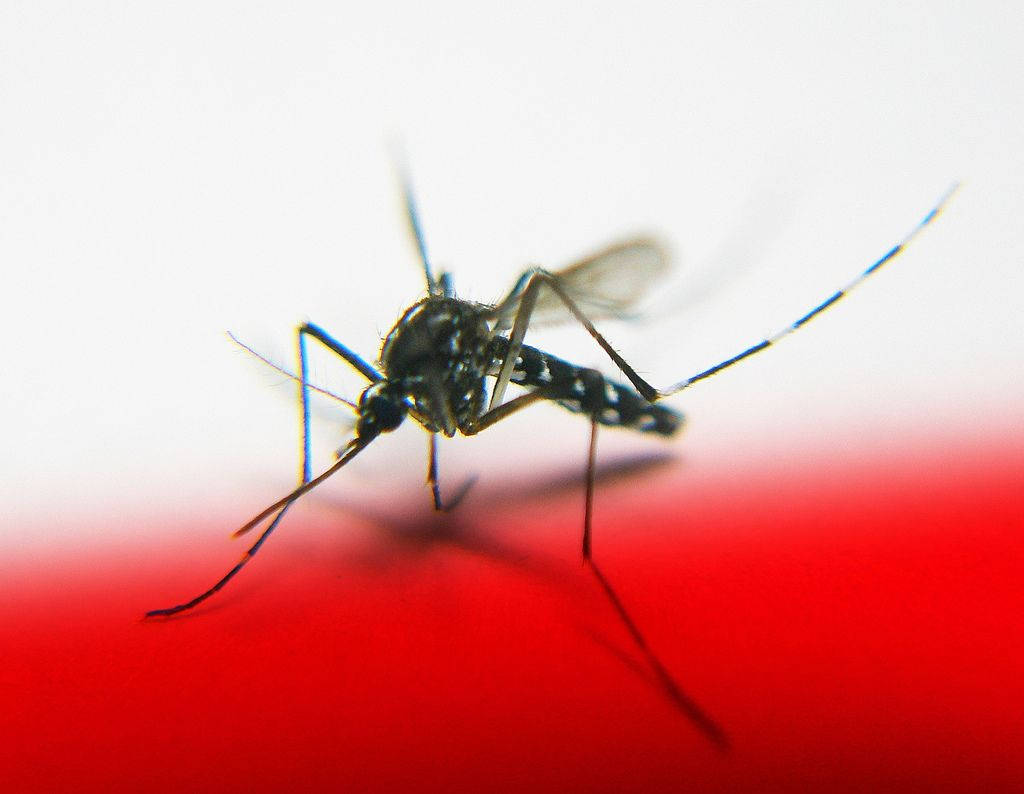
(539, 278)
(306, 480)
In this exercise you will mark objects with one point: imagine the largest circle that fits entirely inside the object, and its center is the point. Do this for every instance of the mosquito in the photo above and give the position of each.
(436, 360)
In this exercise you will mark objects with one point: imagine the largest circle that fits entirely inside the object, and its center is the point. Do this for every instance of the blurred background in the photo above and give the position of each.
(173, 172)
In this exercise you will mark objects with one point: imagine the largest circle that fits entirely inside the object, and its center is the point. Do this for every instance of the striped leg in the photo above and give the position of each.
(167, 611)
(306, 481)
(767, 342)
(542, 278)
(305, 474)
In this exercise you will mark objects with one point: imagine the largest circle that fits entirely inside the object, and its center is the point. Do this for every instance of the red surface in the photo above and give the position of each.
(849, 627)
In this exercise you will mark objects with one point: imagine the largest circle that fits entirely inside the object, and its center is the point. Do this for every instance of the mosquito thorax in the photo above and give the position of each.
(438, 353)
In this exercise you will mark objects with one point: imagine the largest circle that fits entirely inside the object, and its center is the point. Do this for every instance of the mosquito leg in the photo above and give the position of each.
(536, 279)
(354, 359)
(354, 448)
(433, 480)
(684, 704)
(505, 410)
(830, 301)
(504, 310)
(280, 507)
(522, 320)
(167, 611)
(306, 481)
(541, 278)
(588, 509)
(435, 487)
(332, 344)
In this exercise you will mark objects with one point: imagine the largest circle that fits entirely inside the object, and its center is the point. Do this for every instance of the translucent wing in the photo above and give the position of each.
(602, 285)
(607, 283)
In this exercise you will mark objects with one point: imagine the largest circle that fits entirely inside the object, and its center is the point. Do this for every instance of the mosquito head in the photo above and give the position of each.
(382, 408)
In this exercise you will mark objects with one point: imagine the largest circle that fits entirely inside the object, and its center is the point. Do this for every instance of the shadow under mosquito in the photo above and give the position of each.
(678, 699)
(419, 532)
(683, 703)
(605, 473)
(413, 530)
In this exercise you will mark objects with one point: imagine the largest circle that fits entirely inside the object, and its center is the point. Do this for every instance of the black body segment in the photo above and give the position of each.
(587, 391)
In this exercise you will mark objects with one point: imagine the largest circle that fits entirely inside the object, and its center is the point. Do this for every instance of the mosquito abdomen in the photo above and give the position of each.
(587, 391)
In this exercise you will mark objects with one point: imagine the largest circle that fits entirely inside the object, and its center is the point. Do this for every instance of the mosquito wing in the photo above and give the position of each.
(607, 283)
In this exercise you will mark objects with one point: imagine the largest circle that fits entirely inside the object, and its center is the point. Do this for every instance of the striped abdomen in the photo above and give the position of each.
(584, 390)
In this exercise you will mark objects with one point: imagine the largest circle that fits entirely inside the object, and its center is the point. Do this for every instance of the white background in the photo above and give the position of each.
(169, 172)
